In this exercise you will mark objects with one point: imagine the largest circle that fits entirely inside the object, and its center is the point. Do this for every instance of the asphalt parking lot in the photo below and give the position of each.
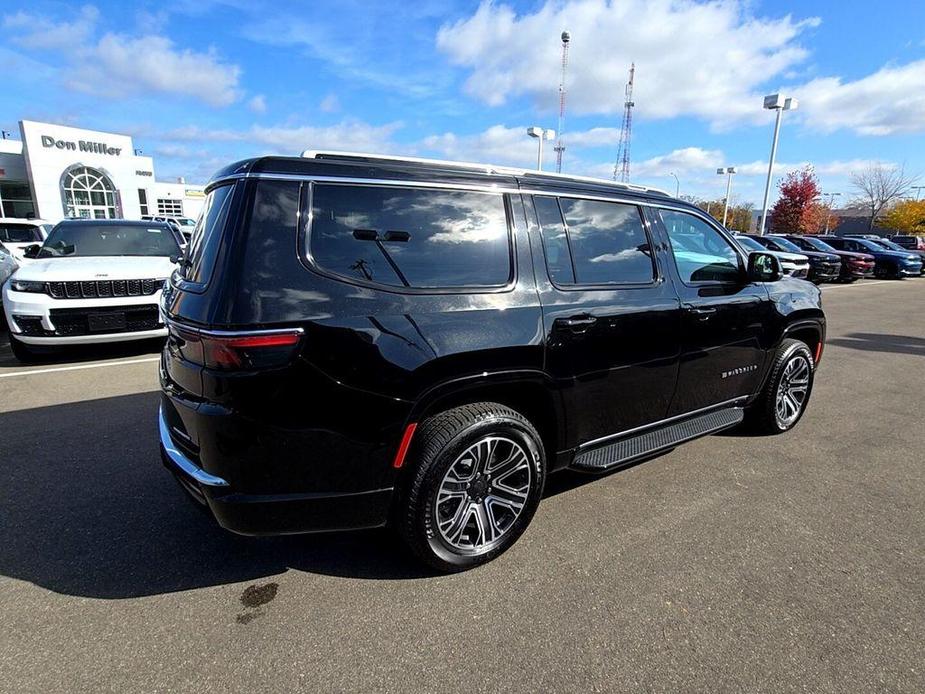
(793, 563)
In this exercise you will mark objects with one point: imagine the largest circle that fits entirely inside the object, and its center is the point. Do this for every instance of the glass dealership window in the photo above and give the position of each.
(16, 200)
(88, 194)
(169, 207)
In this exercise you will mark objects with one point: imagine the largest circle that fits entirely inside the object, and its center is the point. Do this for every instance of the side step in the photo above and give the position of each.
(633, 447)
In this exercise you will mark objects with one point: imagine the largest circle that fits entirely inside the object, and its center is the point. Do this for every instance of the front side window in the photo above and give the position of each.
(701, 253)
(608, 242)
(555, 240)
(408, 237)
(206, 237)
(80, 240)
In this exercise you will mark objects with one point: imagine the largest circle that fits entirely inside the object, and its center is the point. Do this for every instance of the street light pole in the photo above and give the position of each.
(729, 170)
(828, 209)
(779, 103)
(540, 134)
(677, 185)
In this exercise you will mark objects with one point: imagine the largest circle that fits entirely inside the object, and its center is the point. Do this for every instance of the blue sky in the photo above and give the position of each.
(200, 83)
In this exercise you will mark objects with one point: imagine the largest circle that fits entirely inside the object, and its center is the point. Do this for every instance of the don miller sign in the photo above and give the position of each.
(81, 145)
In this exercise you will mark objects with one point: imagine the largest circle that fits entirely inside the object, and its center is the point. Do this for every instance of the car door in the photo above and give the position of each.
(611, 317)
(726, 321)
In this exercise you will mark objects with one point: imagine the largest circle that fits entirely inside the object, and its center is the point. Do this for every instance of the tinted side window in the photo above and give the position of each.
(701, 253)
(203, 245)
(407, 237)
(608, 242)
(555, 240)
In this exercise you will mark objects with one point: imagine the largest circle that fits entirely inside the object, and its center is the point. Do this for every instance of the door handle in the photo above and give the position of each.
(576, 323)
(702, 312)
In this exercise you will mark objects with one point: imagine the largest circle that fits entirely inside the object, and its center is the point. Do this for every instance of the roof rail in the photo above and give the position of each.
(484, 168)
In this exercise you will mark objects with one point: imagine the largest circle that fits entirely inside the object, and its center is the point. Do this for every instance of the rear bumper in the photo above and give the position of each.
(272, 514)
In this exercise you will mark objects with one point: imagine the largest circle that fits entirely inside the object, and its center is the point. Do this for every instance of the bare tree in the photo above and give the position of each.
(877, 186)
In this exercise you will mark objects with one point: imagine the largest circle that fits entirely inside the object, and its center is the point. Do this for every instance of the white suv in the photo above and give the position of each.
(91, 281)
(18, 234)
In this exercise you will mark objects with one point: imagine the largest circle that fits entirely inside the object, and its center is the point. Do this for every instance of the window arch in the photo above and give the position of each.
(89, 193)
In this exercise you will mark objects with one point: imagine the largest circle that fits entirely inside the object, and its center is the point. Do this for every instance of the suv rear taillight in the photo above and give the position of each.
(260, 349)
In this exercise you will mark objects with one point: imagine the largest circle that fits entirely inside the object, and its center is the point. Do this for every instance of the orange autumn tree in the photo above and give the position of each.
(797, 210)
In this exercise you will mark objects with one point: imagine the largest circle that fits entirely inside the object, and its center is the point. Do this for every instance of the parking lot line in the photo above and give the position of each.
(33, 372)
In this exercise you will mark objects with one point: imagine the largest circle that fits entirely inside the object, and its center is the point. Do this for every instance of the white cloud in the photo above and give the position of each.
(349, 134)
(258, 104)
(119, 65)
(329, 104)
(892, 100)
(39, 32)
(703, 59)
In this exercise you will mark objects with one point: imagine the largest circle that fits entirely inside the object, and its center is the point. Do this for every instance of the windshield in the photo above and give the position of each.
(80, 240)
(886, 243)
(785, 245)
(749, 243)
(20, 233)
(818, 245)
(186, 222)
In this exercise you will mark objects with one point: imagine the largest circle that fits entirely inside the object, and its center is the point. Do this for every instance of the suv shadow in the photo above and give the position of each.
(88, 510)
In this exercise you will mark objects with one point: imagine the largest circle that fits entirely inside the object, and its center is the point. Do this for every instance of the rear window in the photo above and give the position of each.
(20, 233)
(203, 245)
(408, 237)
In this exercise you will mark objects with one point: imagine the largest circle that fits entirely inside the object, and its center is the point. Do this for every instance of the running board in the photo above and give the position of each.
(634, 447)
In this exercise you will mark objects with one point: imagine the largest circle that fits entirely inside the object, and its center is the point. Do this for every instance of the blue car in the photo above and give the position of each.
(889, 263)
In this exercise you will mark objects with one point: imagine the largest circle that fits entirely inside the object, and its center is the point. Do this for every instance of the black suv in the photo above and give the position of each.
(358, 341)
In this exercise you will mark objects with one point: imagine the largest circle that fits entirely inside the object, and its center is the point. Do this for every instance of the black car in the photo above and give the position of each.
(359, 341)
(823, 266)
(890, 264)
(854, 266)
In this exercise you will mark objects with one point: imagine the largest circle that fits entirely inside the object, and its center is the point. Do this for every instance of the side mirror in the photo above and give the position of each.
(763, 267)
(32, 251)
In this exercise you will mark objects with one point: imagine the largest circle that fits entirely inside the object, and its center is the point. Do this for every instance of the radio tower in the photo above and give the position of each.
(621, 170)
(560, 146)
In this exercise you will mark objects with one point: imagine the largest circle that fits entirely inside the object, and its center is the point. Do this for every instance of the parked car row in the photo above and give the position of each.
(839, 258)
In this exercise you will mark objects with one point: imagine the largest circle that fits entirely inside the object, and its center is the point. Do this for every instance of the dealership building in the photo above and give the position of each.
(55, 172)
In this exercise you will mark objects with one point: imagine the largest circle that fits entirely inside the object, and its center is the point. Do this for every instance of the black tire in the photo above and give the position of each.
(446, 441)
(763, 415)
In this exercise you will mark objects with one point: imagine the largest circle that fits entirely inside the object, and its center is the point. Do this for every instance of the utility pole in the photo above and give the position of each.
(621, 170)
(560, 145)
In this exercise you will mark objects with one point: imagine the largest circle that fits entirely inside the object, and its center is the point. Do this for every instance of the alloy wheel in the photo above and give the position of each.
(482, 494)
(793, 390)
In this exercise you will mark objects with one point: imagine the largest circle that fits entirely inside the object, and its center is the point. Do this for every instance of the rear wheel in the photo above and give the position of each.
(478, 478)
(786, 393)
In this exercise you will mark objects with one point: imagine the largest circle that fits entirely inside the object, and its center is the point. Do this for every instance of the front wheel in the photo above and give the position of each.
(478, 478)
(785, 395)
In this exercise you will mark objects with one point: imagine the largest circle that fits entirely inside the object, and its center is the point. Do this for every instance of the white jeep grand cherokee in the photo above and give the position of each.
(91, 281)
